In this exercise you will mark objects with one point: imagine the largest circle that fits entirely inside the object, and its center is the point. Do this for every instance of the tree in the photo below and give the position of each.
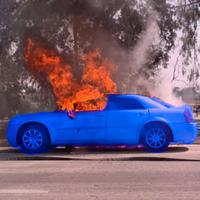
(73, 28)
(187, 15)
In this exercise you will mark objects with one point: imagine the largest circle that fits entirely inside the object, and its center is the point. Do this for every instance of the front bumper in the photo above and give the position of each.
(11, 134)
(184, 133)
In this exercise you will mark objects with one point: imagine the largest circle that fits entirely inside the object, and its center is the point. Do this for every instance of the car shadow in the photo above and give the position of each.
(46, 158)
(93, 150)
(64, 155)
(132, 150)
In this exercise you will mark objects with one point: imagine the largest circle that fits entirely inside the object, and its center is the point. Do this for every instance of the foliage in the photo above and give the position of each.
(78, 26)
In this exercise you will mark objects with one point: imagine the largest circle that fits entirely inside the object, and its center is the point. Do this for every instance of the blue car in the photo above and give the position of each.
(127, 119)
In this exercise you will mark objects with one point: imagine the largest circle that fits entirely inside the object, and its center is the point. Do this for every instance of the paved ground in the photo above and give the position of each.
(84, 174)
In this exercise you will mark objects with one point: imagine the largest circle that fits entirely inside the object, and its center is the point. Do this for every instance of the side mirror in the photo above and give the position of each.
(71, 114)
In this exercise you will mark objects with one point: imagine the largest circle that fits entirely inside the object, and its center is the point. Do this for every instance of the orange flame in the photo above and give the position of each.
(89, 93)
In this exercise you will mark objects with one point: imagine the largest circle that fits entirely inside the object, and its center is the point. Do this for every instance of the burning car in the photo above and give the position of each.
(127, 119)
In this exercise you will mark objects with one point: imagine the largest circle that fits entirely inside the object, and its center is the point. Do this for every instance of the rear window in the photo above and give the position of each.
(167, 105)
(150, 103)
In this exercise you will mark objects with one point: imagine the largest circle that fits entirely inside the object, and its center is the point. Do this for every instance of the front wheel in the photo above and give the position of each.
(33, 139)
(155, 139)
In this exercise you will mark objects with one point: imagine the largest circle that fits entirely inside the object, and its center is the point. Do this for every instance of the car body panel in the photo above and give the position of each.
(109, 126)
(47, 119)
(123, 126)
(86, 128)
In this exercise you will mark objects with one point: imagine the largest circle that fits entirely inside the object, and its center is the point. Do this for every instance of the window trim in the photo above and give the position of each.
(116, 99)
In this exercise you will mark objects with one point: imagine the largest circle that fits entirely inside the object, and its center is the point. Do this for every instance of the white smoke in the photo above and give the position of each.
(135, 59)
(138, 56)
(161, 85)
(164, 87)
(149, 37)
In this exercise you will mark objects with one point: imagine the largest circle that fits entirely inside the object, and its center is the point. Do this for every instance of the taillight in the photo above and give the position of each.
(188, 116)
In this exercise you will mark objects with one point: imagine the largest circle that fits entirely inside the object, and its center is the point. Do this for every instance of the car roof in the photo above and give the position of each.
(125, 95)
(145, 100)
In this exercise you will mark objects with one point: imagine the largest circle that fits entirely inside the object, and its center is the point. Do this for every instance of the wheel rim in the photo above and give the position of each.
(32, 139)
(156, 138)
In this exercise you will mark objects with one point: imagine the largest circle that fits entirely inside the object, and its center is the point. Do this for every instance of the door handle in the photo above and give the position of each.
(99, 115)
(141, 114)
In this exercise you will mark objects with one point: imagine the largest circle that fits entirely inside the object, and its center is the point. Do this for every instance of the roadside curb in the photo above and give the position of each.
(3, 143)
(197, 141)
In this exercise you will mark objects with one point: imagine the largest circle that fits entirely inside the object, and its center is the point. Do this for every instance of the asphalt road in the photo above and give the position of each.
(101, 174)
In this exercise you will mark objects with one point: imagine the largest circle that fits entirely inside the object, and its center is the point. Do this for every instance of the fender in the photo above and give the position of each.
(49, 129)
(154, 119)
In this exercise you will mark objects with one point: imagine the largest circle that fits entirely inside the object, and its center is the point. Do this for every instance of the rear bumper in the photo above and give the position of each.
(184, 133)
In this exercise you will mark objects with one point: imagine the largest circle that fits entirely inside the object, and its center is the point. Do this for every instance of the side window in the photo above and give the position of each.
(124, 104)
(111, 105)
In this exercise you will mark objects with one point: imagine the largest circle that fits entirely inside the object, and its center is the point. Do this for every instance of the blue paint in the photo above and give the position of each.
(126, 120)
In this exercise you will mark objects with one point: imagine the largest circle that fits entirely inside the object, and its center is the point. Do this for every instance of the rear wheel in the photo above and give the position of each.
(33, 139)
(155, 138)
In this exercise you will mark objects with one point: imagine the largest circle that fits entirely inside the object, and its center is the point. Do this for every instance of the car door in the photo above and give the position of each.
(124, 120)
(87, 127)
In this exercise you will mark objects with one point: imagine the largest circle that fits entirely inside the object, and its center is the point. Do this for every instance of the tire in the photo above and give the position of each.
(155, 138)
(33, 139)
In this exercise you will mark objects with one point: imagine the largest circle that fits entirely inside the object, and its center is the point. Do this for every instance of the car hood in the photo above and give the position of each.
(38, 115)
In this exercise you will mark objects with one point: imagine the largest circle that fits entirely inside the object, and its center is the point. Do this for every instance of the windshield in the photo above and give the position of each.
(167, 105)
